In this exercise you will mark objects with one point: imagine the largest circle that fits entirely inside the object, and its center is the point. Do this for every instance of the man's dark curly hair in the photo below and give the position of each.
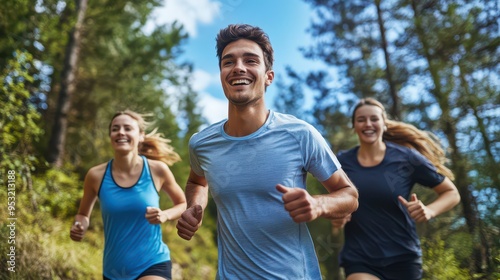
(235, 32)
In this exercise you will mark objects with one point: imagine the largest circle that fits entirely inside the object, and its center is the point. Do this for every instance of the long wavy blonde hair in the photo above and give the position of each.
(408, 135)
(154, 146)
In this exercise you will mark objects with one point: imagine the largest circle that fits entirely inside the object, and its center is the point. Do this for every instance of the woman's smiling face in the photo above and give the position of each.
(125, 134)
(369, 124)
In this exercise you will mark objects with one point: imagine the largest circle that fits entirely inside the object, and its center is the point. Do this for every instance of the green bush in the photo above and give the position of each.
(43, 248)
(57, 192)
(18, 118)
(439, 262)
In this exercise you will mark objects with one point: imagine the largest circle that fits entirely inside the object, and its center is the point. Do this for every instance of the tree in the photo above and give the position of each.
(290, 99)
(67, 88)
(360, 56)
(443, 33)
(190, 120)
(121, 65)
(19, 127)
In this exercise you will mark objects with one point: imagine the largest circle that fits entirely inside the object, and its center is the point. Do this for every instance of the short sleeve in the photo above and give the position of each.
(193, 158)
(425, 172)
(320, 160)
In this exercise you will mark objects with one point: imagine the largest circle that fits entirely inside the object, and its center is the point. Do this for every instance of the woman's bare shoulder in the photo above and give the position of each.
(97, 172)
(158, 166)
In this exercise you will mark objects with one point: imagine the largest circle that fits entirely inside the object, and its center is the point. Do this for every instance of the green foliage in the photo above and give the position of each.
(18, 118)
(462, 244)
(42, 245)
(57, 257)
(56, 192)
(120, 67)
(326, 244)
(290, 98)
(327, 247)
(194, 259)
(496, 272)
(440, 262)
(14, 26)
(45, 251)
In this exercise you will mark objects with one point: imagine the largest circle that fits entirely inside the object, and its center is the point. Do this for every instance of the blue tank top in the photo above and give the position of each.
(131, 244)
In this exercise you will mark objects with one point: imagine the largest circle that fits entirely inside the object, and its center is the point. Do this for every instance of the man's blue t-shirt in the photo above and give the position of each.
(257, 238)
(381, 230)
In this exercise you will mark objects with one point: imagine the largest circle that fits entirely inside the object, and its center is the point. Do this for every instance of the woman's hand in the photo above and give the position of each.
(418, 211)
(156, 215)
(77, 231)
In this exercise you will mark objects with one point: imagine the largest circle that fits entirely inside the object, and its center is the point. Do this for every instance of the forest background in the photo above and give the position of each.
(67, 66)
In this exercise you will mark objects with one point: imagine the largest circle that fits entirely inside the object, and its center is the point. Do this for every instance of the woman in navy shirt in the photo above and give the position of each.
(381, 241)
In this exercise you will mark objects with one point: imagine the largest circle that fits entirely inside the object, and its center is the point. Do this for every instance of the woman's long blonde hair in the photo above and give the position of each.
(408, 135)
(154, 145)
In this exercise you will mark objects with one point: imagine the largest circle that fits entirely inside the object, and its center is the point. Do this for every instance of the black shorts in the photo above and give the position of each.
(163, 269)
(408, 270)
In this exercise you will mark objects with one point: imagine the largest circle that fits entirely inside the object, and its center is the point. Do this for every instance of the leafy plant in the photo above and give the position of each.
(440, 262)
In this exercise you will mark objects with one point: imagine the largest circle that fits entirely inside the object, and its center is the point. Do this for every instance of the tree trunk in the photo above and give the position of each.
(58, 136)
(484, 237)
(473, 103)
(459, 164)
(395, 112)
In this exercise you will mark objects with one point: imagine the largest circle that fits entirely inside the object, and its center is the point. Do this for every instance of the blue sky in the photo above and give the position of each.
(285, 21)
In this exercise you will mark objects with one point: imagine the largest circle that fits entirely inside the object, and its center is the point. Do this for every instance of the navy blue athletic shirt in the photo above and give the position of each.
(381, 231)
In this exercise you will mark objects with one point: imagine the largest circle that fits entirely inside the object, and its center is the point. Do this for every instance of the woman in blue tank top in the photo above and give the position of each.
(128, 189)
(381, 240)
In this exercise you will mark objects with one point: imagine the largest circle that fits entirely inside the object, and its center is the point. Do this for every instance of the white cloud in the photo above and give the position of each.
(202, 80)
(191, 13)
(187, 12)
(214, 109)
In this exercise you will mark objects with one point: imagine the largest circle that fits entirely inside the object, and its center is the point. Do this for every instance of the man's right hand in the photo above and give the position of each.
(190, 222)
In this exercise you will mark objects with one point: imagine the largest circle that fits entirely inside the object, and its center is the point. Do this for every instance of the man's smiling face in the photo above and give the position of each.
(243, 72)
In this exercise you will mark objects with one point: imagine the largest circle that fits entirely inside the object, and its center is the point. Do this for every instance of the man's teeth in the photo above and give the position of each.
(240, 82)
(122, 141)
